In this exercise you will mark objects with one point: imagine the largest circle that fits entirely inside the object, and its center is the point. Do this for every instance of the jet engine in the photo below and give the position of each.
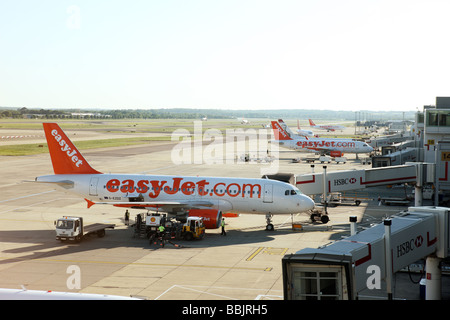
(336, 153)
(211, 217)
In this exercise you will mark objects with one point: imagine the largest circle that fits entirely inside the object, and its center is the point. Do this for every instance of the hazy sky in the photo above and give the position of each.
(326, 54)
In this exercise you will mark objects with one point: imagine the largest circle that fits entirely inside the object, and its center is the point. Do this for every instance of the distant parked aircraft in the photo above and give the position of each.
(334, 147)
(328, 127)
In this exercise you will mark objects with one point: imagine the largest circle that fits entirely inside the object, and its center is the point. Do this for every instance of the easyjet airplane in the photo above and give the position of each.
(179, 196)
(325, 126)
(335, 147)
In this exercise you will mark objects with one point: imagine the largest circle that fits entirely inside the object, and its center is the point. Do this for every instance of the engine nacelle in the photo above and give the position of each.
(336, 153)
(211, 217)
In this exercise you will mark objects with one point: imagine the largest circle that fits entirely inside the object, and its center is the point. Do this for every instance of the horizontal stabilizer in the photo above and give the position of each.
(66, 184)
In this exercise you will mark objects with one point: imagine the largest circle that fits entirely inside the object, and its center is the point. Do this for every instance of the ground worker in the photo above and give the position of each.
(223, 227)
(127, 218)
(161, 230)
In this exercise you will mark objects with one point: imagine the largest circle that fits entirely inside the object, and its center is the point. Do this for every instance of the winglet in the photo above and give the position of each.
(89, 203)
(66, 158)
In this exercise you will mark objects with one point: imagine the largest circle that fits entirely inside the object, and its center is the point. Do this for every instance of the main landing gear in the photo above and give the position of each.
(269, 226)
(316, 215)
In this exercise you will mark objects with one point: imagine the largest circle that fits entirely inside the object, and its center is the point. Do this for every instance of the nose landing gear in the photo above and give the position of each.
(269, 226)
(316, 215)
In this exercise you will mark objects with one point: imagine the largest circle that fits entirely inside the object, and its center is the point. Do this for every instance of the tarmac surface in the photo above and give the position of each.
(243, 265)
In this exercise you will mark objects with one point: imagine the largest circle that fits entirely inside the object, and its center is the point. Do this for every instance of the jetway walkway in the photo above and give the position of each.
(346, 180)
(367, 260)
(352, 180)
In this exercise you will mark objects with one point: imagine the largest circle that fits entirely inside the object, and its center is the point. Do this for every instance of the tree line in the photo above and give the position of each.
(181, 113)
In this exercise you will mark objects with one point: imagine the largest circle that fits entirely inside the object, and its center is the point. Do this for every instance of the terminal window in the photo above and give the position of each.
(317, 285)
(439, 118)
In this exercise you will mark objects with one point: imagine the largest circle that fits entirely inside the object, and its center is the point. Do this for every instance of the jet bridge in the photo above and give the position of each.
(367, 260)
(346, 180)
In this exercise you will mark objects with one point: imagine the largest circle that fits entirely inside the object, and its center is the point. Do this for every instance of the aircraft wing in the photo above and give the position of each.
(66, 184)
(166, 205)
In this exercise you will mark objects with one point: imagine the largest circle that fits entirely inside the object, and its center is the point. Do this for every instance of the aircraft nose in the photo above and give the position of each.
(307, 203)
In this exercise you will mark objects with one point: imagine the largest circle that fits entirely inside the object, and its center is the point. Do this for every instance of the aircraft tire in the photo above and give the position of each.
(101, 233)
(324, 219)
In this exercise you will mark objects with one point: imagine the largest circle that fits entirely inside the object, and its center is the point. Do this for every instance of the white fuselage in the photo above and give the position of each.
(318, 144)
(239, 195)
(328, 128)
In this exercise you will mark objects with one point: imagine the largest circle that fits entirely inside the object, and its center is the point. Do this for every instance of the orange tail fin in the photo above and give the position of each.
(66, 158)
(311, 123)
(279, 132)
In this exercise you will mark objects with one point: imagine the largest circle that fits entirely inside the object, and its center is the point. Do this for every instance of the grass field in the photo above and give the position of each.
(132, 128)
(36, 148)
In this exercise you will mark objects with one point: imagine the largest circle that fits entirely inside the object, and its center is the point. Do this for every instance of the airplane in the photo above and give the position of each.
(178, 196)
(335, 147)
(303, 132)
(25, 294)
(325, 127)
(300, 132)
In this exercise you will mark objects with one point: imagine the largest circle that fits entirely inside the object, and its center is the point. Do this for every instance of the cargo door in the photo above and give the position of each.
(268, 193)
(93, 186)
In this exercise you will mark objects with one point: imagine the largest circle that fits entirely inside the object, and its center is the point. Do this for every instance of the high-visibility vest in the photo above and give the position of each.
(161, 228)
(223, 223)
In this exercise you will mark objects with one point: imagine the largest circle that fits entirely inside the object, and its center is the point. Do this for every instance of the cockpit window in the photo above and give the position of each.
(292, 192)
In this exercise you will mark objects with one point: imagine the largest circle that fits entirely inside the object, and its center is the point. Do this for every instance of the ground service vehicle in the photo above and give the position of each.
(192, 228)
(73, 228)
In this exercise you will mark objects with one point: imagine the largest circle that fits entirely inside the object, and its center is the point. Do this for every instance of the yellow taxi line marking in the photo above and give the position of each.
(254, 254)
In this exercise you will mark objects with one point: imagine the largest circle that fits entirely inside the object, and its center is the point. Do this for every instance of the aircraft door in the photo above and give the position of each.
(268, 193)
(93, 186)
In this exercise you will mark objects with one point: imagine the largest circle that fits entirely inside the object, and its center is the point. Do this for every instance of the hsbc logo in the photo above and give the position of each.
(409, 246)
(418, 242)
(345, 181)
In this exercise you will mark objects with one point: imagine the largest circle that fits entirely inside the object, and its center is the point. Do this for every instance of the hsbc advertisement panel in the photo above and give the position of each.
(345, 180)
(336, 181)
(413, 243)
